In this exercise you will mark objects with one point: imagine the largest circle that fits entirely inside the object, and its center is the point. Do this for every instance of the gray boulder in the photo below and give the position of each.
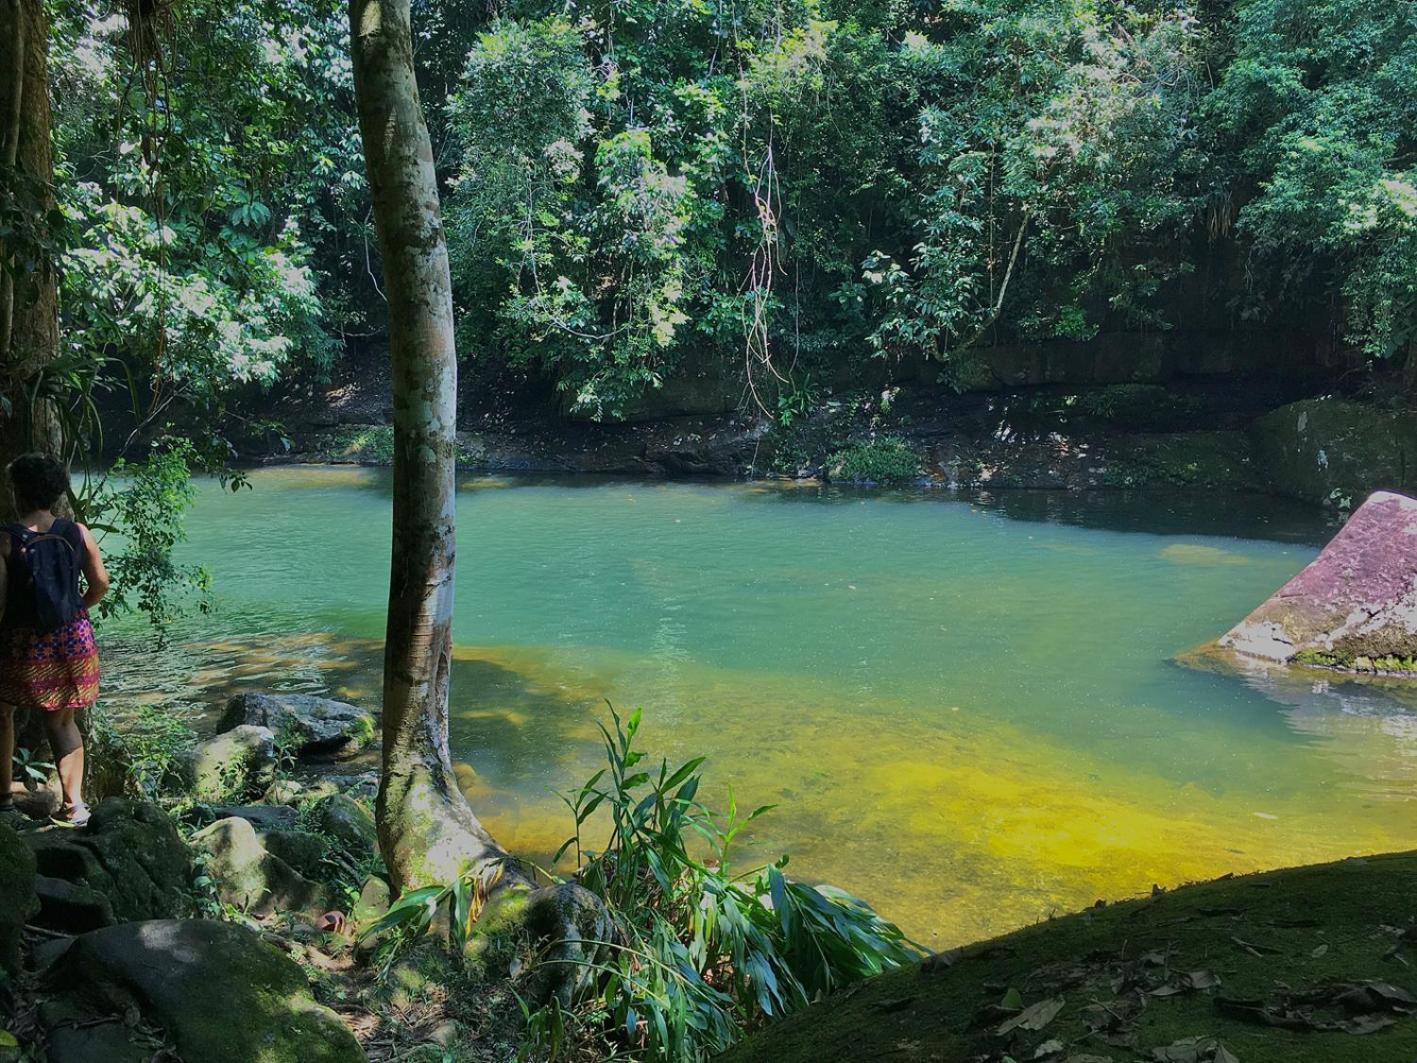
(246, 874)
(314, 727)
(18, 902)
(237, 763)
(218, 991)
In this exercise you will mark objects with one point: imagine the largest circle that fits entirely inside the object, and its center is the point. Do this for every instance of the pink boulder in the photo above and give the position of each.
(1354, 606)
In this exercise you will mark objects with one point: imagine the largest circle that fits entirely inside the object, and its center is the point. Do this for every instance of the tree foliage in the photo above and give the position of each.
(637, 190)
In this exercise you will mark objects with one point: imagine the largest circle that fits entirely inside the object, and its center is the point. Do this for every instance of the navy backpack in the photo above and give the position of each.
(46, 594)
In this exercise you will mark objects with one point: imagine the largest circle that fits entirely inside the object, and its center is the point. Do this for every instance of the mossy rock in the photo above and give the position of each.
(1213, 460)
(239, 763)
(130, 854)
(251, 878)
(303, 851)
(346, 822)
(1212, 961)
(18, 901)
(219, 991)
(1335, 452)
(306, 725)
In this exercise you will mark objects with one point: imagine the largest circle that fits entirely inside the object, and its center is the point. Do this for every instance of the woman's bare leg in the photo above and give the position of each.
(7, 752)
(68, 746)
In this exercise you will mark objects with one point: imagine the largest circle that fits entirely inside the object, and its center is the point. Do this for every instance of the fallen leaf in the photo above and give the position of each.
(1253, 949)
(1366, 1024)
(940, 961)
(1013, 999)
(1202, 979)
(1186, 1050)
(1224, 1055)
(1187, 983)
(1048, 1049)
(1320, 951)
(1035, 1016)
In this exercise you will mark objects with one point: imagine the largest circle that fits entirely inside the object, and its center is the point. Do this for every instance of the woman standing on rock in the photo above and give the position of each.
(48, 659)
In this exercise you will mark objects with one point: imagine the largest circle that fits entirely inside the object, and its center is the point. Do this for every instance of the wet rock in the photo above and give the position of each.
(348, 823)
(130, 855)
(18, 902)
(314, 727)
(239, 762)
(251, 877)
(1356, 602)
(217, 990)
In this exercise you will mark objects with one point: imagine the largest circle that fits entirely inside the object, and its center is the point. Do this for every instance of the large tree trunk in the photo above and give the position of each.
(426, 831)
(29, 302)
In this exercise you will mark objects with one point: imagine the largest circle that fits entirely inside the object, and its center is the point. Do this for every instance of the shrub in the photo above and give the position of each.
(885, 460)
(699, 952)
(139, 756)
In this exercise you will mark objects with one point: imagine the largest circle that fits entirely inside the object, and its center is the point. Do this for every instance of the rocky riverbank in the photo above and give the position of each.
(217, 917)
(1019, 428)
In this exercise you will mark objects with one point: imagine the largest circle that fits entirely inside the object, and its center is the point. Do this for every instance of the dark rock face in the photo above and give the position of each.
(219, 991)
(1326, 450)
(1353, 606)
(315, 726)
(130, 863)
(18, 902)
(262, 817)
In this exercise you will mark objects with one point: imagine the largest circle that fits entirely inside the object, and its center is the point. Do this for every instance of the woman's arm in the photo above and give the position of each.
(94, 573)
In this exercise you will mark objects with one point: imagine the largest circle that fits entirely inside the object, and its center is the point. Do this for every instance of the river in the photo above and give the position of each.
(966, 709)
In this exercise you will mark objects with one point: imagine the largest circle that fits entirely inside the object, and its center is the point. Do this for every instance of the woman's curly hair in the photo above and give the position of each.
(38, 481)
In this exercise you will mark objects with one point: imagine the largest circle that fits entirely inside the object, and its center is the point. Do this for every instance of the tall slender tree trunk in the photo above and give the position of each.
(29, 301)
(427, 833)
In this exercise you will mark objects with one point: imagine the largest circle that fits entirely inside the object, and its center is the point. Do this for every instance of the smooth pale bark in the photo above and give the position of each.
(29, 304)
(427, 832)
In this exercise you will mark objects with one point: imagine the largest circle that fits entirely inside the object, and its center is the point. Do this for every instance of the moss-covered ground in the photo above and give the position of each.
(1306, 965)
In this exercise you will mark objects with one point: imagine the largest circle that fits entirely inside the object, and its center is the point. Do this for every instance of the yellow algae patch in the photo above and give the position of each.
(300, 477)
(1196, 554)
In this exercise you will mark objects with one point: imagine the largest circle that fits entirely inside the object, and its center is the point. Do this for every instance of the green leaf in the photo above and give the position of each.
(683, 773)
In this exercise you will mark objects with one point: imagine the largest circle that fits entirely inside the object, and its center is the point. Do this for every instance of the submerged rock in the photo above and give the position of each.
(313, 726)
(1354, 606)
(218, 991)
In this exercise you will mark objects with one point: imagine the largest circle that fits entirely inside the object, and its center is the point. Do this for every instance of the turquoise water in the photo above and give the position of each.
(966, 710)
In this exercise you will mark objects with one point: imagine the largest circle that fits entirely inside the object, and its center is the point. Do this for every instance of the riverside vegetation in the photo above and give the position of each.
(871, 242)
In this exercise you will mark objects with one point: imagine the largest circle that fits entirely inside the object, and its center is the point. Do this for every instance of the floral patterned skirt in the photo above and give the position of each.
(49, 670)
